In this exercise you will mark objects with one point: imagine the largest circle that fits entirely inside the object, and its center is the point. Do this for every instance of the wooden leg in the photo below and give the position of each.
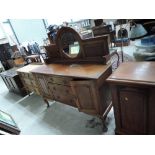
(45, 100)
(103, 118)
(107, 111)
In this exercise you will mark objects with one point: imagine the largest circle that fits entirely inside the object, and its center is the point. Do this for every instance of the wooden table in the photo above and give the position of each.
(133, 97)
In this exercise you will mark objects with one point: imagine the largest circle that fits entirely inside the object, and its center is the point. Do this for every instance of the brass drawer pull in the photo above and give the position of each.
(126, 99)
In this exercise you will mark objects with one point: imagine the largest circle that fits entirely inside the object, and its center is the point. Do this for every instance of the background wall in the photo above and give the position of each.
(28, 30)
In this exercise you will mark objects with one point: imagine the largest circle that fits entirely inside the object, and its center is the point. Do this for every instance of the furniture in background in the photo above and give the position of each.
(104, 30)
(13, 82)
(133, 96)
(122, 34)
(86, 34)
(148, 24)
(5, 55)
(7, 124)
(33, 58)
(145, 49)
(1, 69)
(52, 33)
(122, 42)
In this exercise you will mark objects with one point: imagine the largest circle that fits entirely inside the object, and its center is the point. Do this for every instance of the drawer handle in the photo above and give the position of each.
(126, 99)
(51, 79)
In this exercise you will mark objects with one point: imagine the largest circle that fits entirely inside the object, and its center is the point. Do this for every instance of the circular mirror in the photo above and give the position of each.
(70, 44)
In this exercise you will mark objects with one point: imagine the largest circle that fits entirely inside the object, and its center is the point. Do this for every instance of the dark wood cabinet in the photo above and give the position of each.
(133, 91)
(5, 56)
(132, 108)
(13, 81)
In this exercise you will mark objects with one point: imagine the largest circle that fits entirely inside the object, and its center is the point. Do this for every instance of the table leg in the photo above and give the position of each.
(46, 101)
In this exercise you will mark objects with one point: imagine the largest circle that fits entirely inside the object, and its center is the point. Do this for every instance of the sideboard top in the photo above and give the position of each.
(28, 68)
(90, 71)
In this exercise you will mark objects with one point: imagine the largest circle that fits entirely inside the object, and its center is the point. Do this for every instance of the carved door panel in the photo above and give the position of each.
(86, 96)
(43, 86)
(63, 94)
(133, 108)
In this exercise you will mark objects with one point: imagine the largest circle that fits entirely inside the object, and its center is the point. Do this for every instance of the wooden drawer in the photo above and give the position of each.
(60, 89)
(58, 80)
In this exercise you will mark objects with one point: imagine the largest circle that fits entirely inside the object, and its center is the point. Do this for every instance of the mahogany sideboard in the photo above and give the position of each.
(79, 85)
(133, 97)
(74, 73)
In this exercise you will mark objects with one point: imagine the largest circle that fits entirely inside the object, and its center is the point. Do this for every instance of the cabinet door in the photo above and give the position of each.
(86, 95)
(132, 108)
(43, 86)
(63, 94)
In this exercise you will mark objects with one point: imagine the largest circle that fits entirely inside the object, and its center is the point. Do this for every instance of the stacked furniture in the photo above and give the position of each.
(104, 30)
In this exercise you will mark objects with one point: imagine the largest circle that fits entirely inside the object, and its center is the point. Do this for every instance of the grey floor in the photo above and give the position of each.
(33, 118)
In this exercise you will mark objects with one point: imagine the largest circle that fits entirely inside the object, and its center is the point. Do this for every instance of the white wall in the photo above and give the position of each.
(28, 30)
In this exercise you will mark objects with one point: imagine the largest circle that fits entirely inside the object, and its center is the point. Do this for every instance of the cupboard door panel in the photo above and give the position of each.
(85, 93)
(133, 110)
(43, 86)
(62, 94)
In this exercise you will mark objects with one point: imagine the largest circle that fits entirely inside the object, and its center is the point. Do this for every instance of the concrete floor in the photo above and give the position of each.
(33, 118)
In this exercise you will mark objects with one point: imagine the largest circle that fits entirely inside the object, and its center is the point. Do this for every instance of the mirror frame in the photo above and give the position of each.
(59, 42)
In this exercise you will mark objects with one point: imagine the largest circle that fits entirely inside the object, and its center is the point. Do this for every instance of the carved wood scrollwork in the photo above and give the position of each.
(92, 50)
